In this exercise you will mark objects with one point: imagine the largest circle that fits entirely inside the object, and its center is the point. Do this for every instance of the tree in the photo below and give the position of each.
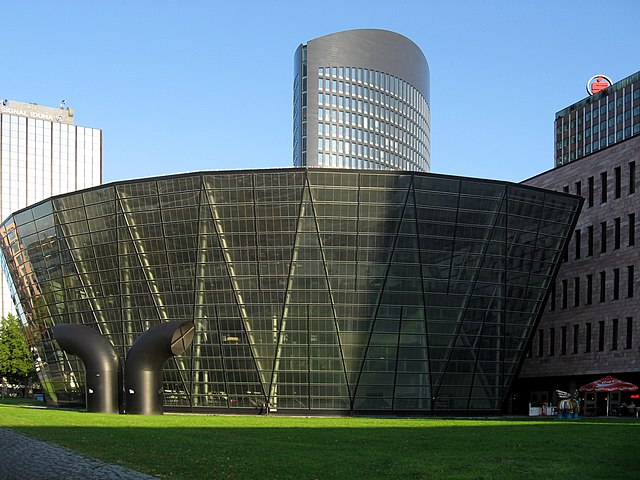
(16, 362)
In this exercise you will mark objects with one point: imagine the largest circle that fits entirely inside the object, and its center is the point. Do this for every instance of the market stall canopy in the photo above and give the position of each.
(609, 384)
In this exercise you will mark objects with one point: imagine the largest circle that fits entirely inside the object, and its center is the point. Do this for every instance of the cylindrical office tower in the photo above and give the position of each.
(361, 100)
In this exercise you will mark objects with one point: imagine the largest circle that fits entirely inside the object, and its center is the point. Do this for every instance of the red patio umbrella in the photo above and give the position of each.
(609, 384)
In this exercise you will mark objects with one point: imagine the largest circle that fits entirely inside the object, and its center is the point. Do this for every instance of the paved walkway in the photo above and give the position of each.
(24, 458)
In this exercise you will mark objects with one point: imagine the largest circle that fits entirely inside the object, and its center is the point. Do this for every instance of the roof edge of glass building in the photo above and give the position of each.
(341, 171)
(633, 78)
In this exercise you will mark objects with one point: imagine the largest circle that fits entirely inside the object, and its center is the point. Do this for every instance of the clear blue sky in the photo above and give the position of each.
(205, 85)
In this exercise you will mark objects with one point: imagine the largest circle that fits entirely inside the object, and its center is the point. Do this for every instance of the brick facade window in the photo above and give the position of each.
(600, 335)
(540, 342)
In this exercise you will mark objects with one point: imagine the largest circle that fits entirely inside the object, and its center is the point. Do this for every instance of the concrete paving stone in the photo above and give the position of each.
(25, 458)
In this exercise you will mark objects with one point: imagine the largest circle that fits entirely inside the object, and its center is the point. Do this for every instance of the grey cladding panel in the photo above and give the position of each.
(379, 50)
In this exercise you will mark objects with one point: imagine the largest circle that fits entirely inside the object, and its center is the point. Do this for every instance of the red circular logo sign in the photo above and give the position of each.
(597, 83)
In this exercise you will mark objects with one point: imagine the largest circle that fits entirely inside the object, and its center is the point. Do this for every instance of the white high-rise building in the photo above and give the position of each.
(42, 153)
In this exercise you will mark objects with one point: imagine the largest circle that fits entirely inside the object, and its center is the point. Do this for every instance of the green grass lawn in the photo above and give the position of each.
(250, 447)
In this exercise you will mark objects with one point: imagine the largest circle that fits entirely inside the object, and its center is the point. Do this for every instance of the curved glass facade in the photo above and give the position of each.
(370, 119)
(312, 290)
(361, 100)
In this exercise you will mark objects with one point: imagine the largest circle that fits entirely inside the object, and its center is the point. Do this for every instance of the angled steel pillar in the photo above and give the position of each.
(143, 369)
(101, 363)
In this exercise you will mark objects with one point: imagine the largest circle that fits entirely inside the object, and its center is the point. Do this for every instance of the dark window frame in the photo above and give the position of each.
(541, 342)
(601, 331)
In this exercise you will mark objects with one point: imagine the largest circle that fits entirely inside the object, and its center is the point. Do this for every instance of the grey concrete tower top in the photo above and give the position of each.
(376, 49)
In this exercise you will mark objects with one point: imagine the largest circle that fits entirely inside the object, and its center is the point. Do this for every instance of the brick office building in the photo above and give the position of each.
(591, 324)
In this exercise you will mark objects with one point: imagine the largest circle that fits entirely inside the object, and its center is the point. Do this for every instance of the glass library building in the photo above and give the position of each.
(312, 290)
